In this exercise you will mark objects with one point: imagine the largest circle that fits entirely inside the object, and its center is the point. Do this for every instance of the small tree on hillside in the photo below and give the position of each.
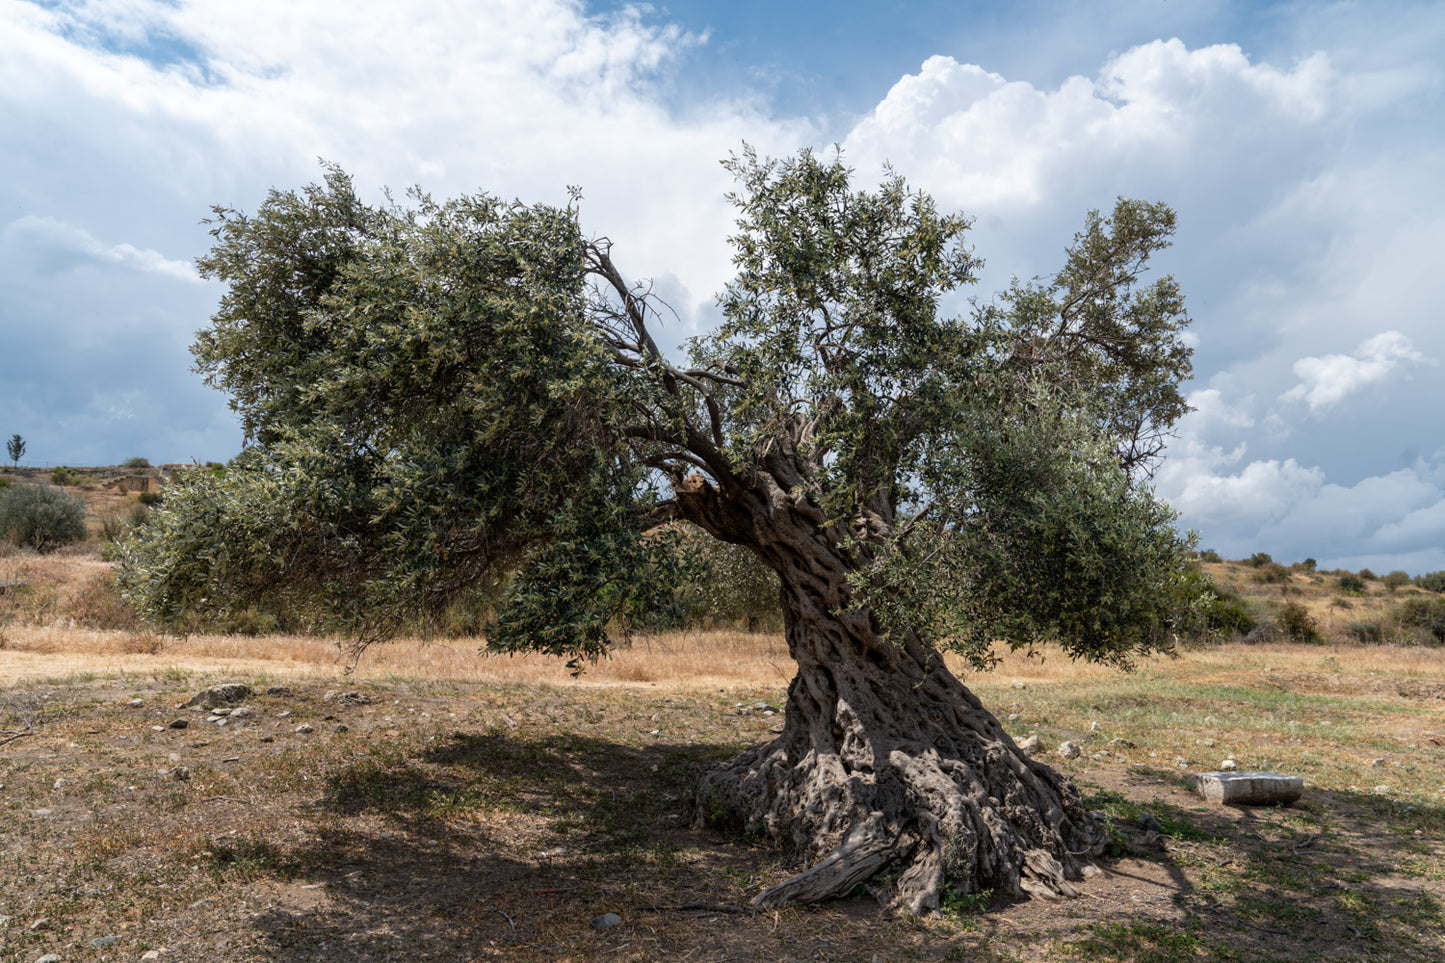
(15, 447)
(468, 397)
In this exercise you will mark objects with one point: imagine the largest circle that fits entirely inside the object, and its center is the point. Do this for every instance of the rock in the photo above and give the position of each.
(278, 690)
(1149, 824)
(268, 738)
(179, 723)
(1118, 743)
(241, 713)
(606, 921)
(1377, 763)
(221, 711)
(49, 958)
(305, 728)
(508, 722)
(219, 695)
(1031, 746)
(354, 699)
(1382, 790)
(1181, 763)
(136, 703)
(1228, 765)
(41, 924)
(180, 773)
(343, 728)
(1094, 727)
(61, 783)
(151, 955)
(1100, 756)
(1013, 717)
(1249, 788)
(1069, 750)
(103, 941)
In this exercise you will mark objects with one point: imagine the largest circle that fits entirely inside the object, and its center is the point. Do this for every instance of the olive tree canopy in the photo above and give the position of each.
(447, 399)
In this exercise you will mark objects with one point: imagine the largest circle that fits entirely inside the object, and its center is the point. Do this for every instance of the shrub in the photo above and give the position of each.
(1297, 623)
(150, 498)
(41, 518)
(1434, 582)
(1213, 612)
(729, 584)
(1365, 631)
(1350, 584)
(1368, 575)
(1395, 579)
(1271, 572)
(1209, 555)
(61, 476)
(1259, 559)
(1423, 618)
(136, 463)
(139, 514)
(1308, 565)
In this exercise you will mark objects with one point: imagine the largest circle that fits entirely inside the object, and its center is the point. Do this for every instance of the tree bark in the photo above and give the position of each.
(889, 769)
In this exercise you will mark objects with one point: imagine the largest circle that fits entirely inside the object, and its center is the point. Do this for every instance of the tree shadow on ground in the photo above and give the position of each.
(500, 845)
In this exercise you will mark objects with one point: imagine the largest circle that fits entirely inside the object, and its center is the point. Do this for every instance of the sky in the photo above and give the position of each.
(1302, 145)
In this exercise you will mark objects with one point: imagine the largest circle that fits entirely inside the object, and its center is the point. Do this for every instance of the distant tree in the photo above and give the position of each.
(468, 396)
(15, 447)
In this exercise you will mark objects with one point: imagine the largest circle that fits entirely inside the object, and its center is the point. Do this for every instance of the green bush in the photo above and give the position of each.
(1271, 572)
(1434, 582)
(41, 518)
(61, 476)
(1350, 584)
(1368, 575)
(1297, 623)
(139, 514)
(1422, 618)
(1211, 612)
(150, 498)
(136, 463)
(1259, 559)
(1209, 555)
(1365, 631)
(1308, 565)
(729, 585)
(1395, 579)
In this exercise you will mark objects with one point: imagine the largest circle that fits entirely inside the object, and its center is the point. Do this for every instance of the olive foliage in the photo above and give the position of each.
(446, 400)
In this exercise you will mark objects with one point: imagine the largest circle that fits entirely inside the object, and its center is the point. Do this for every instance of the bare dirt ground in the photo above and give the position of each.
(467, 818)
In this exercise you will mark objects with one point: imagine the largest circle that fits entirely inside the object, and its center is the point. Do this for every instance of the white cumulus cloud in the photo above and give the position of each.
(1327, 380)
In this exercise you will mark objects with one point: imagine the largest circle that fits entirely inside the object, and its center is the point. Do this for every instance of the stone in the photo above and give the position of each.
(1120, 743)
(180, 773)
(1013, 717)
(241, 713)
(1069, 750)
(606, 921)
(151, 955)
(179, 723)
(219, 695)
(1250, 788)
(136, 703)
(278, 690)
(103, 941)
(41, 924)
(1228, 765)
(49, 958)
(305, 728)
(1031, 746)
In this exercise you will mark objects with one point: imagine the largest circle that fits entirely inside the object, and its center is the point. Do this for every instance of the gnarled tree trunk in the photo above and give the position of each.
(888, 764)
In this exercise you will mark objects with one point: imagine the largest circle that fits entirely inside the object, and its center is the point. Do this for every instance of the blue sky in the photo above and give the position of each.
(1301, 144)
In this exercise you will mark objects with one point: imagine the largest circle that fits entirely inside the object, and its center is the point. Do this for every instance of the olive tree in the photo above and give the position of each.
(461, 398)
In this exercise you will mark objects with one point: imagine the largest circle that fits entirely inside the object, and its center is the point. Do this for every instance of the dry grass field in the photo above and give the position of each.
(460, 807)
